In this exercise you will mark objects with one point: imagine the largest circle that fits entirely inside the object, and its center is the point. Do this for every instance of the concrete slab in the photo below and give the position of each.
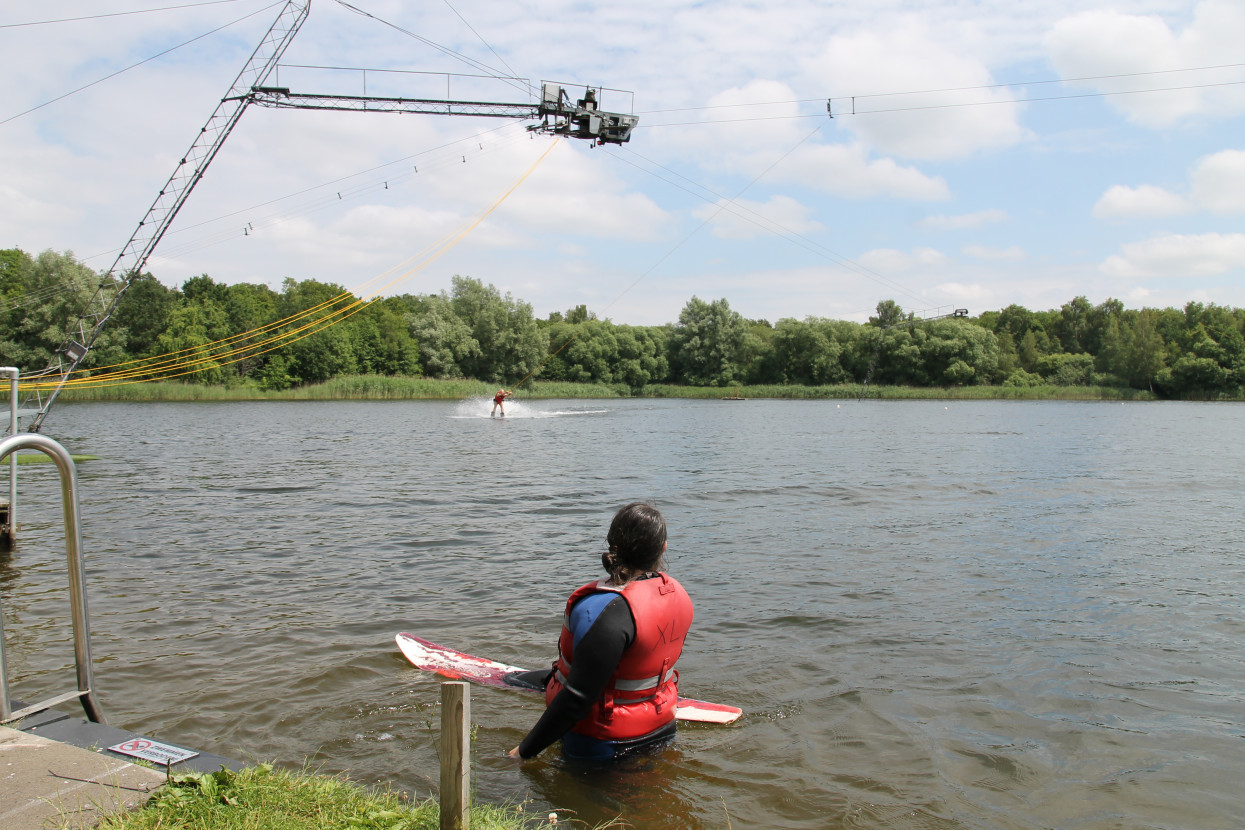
(46, 784)
(80, 732)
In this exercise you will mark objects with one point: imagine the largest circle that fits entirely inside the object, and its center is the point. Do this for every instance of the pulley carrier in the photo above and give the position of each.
(585, 119)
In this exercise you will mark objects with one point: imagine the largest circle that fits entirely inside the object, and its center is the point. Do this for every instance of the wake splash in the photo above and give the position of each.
(483, 407)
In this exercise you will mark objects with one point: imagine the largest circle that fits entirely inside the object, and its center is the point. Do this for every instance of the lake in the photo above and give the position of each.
(935, 614)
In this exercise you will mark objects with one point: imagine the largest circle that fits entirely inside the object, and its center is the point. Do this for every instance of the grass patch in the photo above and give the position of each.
(36, 457)
(273, 799)
(385, 388)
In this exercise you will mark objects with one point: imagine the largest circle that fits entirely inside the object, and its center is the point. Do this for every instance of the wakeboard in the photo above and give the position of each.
(459, 665)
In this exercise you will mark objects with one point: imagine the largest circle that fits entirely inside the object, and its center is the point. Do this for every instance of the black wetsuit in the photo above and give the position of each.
(597, 654)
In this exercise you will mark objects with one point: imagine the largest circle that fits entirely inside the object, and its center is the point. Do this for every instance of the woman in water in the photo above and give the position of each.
(613, 686)
(499, 401)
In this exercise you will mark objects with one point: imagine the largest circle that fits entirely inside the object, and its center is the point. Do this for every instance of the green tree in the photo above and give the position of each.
(204, 288)
(898, 359)
(1015, 320)
(710, 345)
(324, 348)
(1143, 353)
(510, 342)
(143, 314)
(444, 340)
(582, 353)
(1009, 358)
(16, 268)
(888, 314)
(382, 341)
(193, 326)
(1099, 319)
(1033, 346)
(957, 353)
(251, 311)
(16, 278)
(1072, 327)
(1194, 376)
(641, 356)
(806, 352)
(56, 292)
(1214, 332)
(1062, 369)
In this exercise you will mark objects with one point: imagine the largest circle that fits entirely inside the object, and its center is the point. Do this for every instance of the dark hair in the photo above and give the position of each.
(637, 539)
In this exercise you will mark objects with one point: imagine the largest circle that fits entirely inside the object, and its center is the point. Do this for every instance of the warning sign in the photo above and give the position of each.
(153, 751)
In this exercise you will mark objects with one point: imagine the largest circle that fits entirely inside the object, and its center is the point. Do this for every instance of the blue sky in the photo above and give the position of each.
(999, 152)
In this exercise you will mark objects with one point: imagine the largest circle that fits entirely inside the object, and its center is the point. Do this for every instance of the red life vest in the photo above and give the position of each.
(641, 695)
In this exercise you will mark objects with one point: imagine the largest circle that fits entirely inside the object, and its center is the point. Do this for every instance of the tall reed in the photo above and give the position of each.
(386, 388)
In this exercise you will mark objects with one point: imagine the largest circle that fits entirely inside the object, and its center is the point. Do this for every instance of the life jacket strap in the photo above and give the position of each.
(621, 684)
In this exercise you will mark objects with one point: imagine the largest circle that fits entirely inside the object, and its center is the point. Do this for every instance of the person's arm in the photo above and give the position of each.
(597, 655)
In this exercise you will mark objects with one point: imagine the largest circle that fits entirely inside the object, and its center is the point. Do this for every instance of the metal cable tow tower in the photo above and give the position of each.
(130, 262)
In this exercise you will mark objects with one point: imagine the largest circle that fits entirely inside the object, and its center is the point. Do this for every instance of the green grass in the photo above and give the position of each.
(265, 798)
(381, 388)
(36, 457)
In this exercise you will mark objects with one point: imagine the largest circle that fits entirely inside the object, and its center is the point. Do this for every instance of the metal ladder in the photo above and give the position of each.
(77, 591)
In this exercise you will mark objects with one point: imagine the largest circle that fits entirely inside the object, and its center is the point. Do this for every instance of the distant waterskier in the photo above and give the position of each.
(499, 401)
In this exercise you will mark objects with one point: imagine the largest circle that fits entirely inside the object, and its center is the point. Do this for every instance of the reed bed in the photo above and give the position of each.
(849, 391)
(385, 388)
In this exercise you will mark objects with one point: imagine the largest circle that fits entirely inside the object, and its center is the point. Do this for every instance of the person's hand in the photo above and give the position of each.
(514, 753)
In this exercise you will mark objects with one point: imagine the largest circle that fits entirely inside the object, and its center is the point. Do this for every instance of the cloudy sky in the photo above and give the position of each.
(980, 154)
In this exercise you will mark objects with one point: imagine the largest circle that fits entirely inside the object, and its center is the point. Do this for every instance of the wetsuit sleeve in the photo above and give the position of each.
(597, 655)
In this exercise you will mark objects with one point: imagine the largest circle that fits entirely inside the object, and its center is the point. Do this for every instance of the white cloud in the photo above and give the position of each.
(964, 294)
(848, 170)
(1100, 43)
(1179, 255)
(909, 56)
(1013, 253)
(576, 194)
(758, 116)
(1147, 200)
(891, 261)
(963, 221)
(770, 142)
(745, 219)
(1218, 182)
(1216, 185)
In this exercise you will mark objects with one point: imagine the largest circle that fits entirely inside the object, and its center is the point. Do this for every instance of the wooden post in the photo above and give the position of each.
(455, 756)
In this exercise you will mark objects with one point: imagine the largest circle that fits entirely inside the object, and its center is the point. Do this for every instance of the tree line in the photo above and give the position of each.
(475, 331)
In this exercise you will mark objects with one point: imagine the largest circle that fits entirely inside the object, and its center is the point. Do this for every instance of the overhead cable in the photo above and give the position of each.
(483, 67)
(115, 14)
(140, 63)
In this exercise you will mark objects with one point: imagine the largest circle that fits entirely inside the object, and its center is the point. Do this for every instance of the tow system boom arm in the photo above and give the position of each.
(579, 120)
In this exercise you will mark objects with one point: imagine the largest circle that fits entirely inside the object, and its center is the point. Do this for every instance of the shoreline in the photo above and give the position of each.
(383, 388)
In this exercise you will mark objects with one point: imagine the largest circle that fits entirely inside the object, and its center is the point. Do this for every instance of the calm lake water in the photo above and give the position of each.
(934, 614)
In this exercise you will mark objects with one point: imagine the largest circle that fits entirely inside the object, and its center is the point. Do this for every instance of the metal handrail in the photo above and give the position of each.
(9, 531)
(77, 591)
